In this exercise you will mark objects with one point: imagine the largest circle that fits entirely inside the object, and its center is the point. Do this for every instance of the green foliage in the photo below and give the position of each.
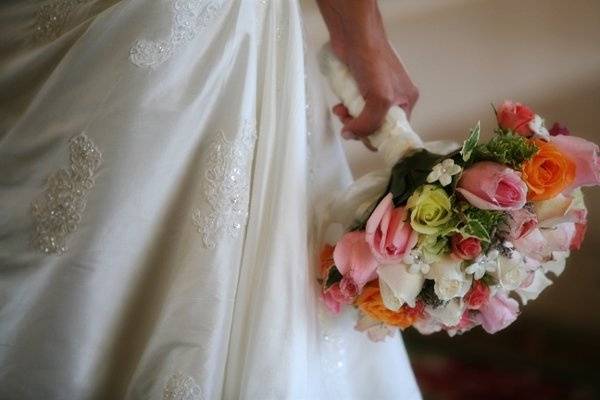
(334, 277)
(410, 173)
(433, 247)
(471, 143)
(506, 148)
(489, 280)
(428, 296)
(481, 224)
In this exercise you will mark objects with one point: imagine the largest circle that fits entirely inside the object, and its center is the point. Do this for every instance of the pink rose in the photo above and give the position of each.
(534, 245)
(348, 289)
(342, 292)
(467, 322)
(492, 186)
(388, 232)
(558, 129)
(585, 155)
(515, 117)
(477, 296)
(521, 223)
(353, 258)
(540, 243)
(560, 237)
(580, 230)
(465, 248)
(330, 302)
(499, 312)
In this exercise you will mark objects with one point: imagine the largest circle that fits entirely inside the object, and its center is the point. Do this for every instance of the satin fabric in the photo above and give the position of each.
(166, 290)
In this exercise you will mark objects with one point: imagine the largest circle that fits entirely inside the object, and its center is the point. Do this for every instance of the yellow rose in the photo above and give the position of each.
(430, 209)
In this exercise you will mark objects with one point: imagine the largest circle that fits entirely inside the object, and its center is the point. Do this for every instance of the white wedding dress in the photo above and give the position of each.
(161, 172)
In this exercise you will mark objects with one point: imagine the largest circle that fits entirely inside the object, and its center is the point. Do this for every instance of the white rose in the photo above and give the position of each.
(450, 280)
(538, 284)
(558, 263)
(449, 314)
(375, 330)
(537, 126)
(427, 326)
(511, 271)
(398, 286)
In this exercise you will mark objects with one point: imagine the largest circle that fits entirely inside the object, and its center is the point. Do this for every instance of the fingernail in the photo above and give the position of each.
(348, 135)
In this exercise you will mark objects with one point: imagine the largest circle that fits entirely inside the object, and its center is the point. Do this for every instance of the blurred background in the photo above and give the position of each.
(464, 55)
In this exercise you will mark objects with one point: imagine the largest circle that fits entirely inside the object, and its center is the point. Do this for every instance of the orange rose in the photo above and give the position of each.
(326, 260)
(548, 173)
(371, 303)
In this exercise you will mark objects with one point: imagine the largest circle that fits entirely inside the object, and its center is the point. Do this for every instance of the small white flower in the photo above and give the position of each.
(443, 172)
(537, 126)
(416, 262)
(484, 263)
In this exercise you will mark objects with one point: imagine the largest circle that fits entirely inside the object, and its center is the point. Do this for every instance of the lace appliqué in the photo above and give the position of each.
(58, 211)
(52, 17)
(226, 186)
(182, 387)
(189, 18)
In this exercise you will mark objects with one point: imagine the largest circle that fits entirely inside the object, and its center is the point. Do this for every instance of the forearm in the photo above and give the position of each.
(353, 22)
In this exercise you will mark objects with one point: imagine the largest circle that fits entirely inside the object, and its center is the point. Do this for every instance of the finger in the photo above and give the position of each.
(340, 110)
(370, 119)
(349, 135)
(407, 107)
(342, 113)
(409, 101)
(367, 143)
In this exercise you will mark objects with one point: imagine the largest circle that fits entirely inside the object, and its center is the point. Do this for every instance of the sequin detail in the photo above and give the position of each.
(189, 18)
(182, 387)
(52, 17)
(333, 352)
(226, 186)
(58, 211)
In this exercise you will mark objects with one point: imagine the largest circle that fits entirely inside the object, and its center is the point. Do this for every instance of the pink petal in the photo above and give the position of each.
(353, 257)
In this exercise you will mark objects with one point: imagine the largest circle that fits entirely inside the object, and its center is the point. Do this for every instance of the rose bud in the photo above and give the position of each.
(465, 248)
(515, 117)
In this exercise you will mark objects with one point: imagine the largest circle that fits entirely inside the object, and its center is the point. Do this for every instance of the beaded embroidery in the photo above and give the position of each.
(189, 18)
(182, 387)
(226, 186)
(58, 211)
(51, 18)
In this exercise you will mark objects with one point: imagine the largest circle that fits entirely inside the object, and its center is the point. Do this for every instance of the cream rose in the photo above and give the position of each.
(450, 280)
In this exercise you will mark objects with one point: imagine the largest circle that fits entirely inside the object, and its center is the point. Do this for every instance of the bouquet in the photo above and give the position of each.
(449, 238)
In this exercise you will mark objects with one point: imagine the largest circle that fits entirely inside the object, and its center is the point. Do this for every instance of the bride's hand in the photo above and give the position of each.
(358, 38)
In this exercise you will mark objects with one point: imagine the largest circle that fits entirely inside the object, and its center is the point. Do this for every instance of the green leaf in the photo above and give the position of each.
(482, 224)
(334, 277)
(475, 228)
(471, 143)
